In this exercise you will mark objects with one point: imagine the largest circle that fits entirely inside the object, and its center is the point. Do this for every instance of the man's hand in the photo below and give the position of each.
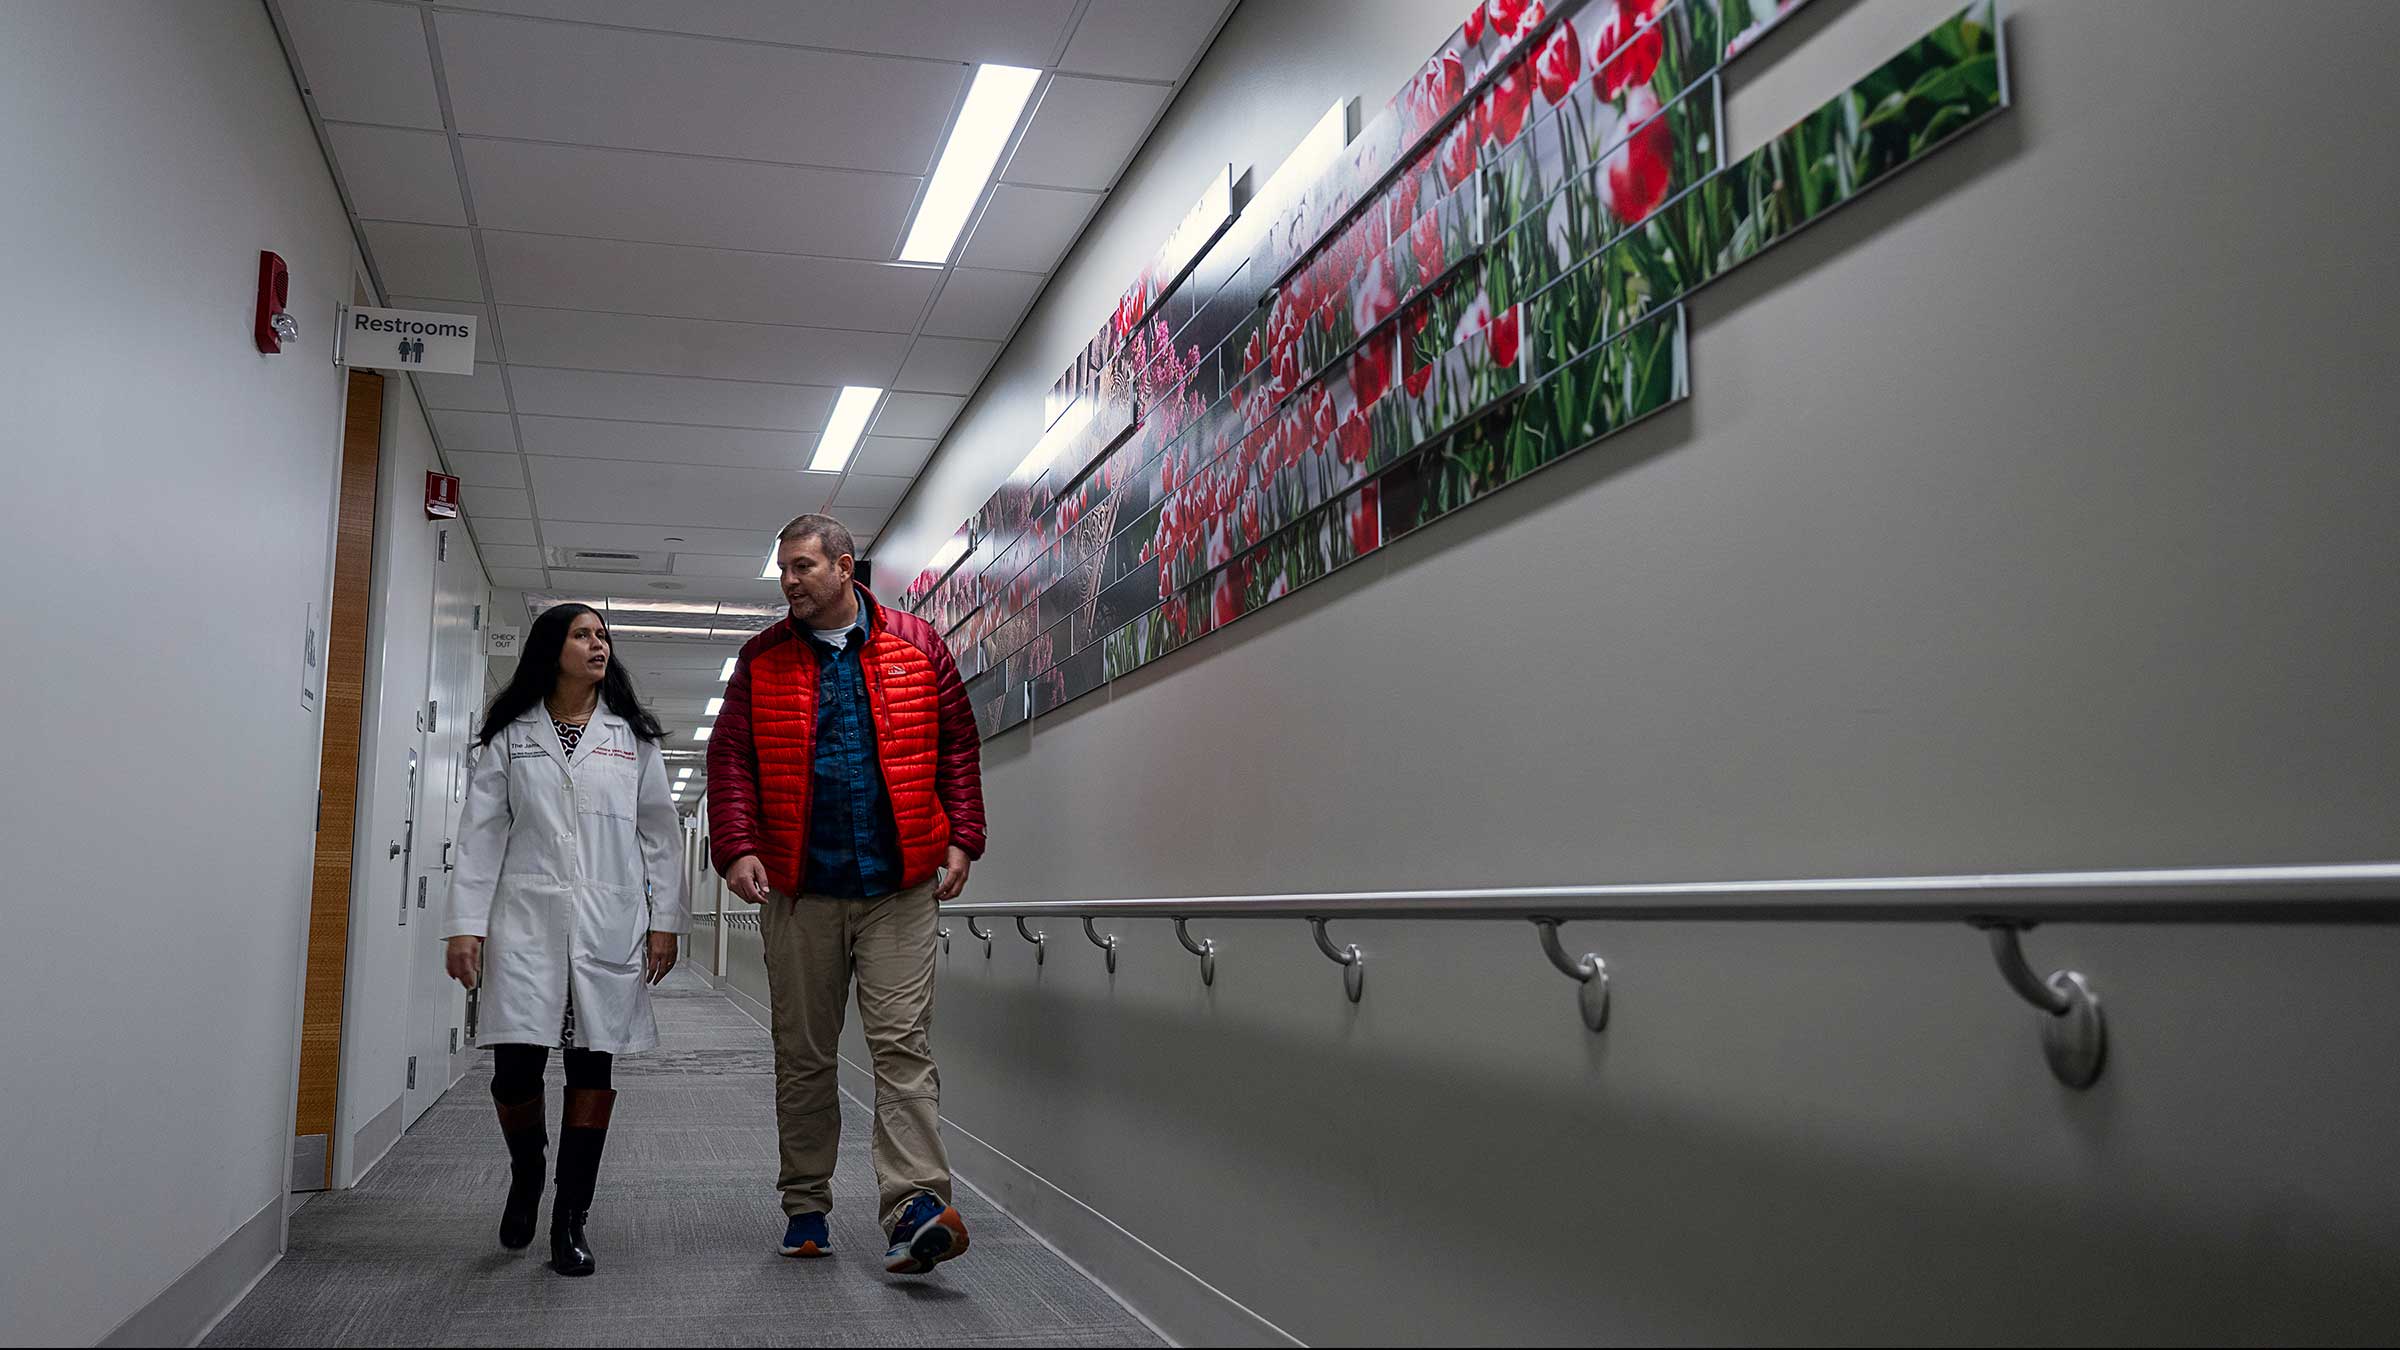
(955, 878)
(747, 879)
(662, 955)
(463, 957)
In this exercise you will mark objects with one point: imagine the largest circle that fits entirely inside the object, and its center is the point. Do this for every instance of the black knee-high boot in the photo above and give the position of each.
(582, 1134)
(521, 1125)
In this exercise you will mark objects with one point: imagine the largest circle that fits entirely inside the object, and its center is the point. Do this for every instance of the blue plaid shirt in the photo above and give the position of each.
(853, 845)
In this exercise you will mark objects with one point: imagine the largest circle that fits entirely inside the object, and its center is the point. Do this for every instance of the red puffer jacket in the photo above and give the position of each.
(760, 754)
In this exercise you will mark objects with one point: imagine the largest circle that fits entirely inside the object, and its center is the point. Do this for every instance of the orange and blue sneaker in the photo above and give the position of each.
(805, 1235)
(927, 1233)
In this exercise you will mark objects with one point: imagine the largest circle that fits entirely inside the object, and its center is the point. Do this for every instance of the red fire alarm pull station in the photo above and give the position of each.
(275, 326)
(441, 496)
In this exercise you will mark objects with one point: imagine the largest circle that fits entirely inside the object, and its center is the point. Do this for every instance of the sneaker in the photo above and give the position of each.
(805, 1235)
(927, 1233)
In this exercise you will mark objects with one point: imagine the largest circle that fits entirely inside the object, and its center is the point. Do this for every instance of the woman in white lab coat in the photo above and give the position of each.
(566, 906)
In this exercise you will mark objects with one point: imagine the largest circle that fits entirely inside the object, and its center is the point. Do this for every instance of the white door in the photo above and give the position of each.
(437, 1006)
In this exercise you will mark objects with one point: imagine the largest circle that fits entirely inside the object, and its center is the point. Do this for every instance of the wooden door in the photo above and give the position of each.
(337, 779)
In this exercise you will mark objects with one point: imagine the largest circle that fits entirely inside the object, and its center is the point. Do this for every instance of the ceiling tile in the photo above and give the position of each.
(751, 543)
(917, 415)
(646, 91)
(1017, 32)
(664, 398)
(398, 175)
(894, 455)
(489, 344)
(667, 442)
(474, 431)
(1143, 39)
(427, 260)
(1084, 132)
(980, 304)
(479, 392)
(518, 578)
(1027, 228)
(863, 521)
(664, 656)
(365, 62)
(511, 555)
(483, 469)
(715, 588)
(496, 503)
(615, 490)
(705, 283)
(489, 532)
(683, 199)
(719, 564)
(871, 492)
(738, 351)
(943, 365)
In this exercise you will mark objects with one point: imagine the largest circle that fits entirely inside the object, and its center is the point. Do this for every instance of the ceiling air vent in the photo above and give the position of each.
(607, 560)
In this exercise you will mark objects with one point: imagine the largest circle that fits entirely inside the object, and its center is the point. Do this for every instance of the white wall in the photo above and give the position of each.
(166, 522)
(2033, 512)
(169, 528)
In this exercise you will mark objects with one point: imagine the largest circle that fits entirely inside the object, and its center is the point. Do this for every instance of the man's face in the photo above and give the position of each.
(813, 584)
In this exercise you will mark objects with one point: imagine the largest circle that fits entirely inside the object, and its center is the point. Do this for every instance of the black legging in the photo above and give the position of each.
(517, 1070)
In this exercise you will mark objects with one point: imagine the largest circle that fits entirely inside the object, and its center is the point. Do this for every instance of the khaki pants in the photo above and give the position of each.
(814, 946)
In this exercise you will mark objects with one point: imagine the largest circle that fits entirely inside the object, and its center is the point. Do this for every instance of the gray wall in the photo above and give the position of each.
(2033, 513)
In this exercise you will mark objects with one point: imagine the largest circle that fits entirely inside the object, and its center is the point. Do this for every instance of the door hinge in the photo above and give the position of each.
(421, 892)
(412, 1073)
(479, 618)
(433, 715)
(441, 547)
(454, 1040)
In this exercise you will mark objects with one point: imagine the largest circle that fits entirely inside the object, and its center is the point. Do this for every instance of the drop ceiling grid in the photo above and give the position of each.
(789, 237)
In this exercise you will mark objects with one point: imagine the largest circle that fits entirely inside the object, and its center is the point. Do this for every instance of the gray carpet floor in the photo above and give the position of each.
(684, 1225)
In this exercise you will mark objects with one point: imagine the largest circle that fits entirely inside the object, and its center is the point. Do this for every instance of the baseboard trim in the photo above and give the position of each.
(191, 1307)
(1169, 1298)
(375, 1138)
(1180, 1306)
(757, 1010)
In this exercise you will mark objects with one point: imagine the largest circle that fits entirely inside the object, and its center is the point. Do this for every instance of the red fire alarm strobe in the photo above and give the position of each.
(441, 496)
(274, 326)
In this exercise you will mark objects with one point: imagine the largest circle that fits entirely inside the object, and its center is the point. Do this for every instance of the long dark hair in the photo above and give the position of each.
(537, 675)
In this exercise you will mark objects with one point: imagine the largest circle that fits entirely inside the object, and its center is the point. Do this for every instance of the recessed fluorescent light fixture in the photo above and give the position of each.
(773, 573)
(840, 437)
(683, 774)
(702, 733)
(727, 672)
(715, 706)
(994, 103)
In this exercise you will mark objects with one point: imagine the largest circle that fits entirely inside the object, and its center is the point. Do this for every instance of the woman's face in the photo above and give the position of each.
(584, 658)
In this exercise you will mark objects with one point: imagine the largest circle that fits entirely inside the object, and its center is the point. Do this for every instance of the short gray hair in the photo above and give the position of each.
(830, 535)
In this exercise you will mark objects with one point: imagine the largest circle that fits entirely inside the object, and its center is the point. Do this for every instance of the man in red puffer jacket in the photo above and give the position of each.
(845, 798)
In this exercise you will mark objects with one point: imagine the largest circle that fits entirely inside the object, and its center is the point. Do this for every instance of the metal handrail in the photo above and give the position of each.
(2312, 893)
(2004, 905)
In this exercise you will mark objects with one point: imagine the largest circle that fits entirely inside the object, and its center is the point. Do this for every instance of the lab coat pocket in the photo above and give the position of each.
(612, 922)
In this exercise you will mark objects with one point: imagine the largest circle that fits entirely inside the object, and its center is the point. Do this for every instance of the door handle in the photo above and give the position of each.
(395, 848)
(447, 865)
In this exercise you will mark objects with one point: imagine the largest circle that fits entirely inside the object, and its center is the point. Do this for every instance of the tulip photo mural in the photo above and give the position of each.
(1486, 278)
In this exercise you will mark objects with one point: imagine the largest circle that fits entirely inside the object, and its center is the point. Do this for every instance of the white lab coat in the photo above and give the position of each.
(566, 866)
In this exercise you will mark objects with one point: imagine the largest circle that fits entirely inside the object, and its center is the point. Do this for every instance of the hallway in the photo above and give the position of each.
(684, 1226)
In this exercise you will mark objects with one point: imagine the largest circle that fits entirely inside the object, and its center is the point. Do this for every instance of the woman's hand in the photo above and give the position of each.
(662, 955)
(464, 958)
